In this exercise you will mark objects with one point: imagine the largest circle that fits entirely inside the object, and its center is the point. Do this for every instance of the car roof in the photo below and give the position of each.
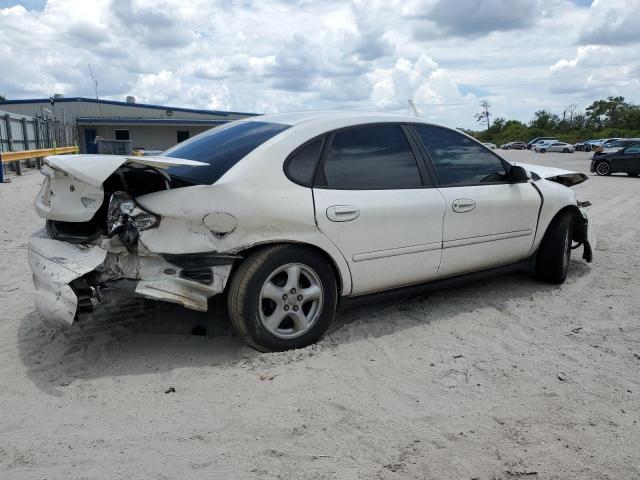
(296, 118)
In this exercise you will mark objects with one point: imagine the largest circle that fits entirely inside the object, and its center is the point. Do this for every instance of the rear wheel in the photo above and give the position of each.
(603, 169)
(552, 261)
(565, 150)
(282, 297)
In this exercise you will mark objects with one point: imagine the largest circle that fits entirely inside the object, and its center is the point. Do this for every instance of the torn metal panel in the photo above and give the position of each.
(54, 265)
(93, 269)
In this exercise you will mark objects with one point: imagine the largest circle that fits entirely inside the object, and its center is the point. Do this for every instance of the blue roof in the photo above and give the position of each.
(154, 121)
(124, 104)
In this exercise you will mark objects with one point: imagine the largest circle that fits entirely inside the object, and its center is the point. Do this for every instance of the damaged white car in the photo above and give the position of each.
(289, 214)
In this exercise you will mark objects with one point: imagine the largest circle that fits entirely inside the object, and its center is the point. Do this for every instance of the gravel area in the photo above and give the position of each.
(500, 379)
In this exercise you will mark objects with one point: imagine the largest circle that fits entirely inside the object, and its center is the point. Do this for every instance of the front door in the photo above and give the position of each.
(375, 202)
(89, 140)
(488, 221)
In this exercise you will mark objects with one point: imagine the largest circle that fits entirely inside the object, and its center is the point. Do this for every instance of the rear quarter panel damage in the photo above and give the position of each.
(266, 206)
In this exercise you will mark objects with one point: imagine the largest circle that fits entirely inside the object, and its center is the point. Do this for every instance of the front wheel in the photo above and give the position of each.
(282, 297)
(552, 261)
(603, 169)
(565, 150)
(543, 150)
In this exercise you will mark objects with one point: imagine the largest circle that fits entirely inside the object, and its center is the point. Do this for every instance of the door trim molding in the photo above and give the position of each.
(486, 238)
(392, 252)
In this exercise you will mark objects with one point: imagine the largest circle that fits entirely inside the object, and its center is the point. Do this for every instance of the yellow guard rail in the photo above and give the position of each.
(6, 157)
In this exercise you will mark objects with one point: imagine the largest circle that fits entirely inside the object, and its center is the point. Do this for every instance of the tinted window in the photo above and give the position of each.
(221, 148)
(302, 164)
(633, 149)
(369, 158)
(458, 159)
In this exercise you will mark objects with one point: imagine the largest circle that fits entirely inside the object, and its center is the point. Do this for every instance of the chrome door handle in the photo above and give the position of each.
(462, 205)
(342, 213)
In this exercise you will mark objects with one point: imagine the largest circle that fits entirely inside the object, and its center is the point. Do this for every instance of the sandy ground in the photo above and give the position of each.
(462, 383)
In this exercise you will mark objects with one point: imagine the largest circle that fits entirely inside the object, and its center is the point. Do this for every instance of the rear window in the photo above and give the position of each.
(221, 148)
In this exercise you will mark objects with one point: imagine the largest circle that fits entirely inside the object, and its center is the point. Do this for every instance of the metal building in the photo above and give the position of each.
(136, 125)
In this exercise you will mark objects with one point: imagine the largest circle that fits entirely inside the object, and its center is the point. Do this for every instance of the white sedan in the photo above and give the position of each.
(290, 214)
(555, 147)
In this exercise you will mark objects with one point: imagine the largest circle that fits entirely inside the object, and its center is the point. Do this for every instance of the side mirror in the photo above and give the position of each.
(518, 174)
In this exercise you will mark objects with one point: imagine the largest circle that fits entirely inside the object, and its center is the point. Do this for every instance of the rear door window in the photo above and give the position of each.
(372, 157)
(221, 148)
(458, 159)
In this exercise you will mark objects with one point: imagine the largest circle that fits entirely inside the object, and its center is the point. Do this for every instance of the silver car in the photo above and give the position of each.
(555, 147)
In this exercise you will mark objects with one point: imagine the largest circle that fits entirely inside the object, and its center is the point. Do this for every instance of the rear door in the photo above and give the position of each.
(375, 200)
(489, 221)
(629, 161)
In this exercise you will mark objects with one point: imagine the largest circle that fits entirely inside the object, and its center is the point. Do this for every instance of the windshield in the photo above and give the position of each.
(221, 148)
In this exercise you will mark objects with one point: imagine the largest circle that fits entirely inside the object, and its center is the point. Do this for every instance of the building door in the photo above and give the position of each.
(89, 140)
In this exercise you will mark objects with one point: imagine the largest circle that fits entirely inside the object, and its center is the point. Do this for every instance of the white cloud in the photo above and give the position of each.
(612, 22)
(280, 55)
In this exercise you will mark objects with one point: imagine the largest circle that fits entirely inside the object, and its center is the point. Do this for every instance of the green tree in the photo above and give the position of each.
(607, 113)
(545, 121)
(2, 98)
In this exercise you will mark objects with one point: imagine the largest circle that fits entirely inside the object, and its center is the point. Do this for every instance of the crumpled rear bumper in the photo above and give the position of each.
(54, 265)
(57, 265)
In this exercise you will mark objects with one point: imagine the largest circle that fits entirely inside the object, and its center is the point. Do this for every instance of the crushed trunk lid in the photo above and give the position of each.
(559, 175)
(95, 169)
(73, 188)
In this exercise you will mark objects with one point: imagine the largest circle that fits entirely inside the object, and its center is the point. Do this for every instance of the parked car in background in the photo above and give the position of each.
(581, 146)
(290, 214)
(595, 144)
(490, 145)
(531, 144)
(555, 147)
(625, 160)
(514, 146)
(615, 145)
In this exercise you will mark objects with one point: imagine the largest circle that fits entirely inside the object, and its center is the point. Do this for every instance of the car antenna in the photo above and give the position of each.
(412, 107)
(95, 89)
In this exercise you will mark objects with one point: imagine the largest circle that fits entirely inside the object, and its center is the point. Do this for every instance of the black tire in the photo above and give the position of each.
(507, 148)
(603, 168)
(552, 260)
(543, 150)
(244, 293)
(632, 174)
(587, 148)
(565, 150)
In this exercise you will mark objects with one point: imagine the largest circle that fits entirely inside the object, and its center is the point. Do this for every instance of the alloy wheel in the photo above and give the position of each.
(291, 300)
(603, 168)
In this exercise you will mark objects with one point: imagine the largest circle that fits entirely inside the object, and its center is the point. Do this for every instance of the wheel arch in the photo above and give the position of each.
(343, 284)
(577, 223)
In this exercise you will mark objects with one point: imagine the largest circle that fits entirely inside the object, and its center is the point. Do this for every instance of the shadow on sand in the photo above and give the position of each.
(159, 337)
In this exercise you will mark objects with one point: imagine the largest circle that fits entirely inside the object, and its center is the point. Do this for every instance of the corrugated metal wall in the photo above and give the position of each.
(158, 137)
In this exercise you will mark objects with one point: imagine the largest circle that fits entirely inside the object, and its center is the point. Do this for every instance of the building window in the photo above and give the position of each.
(182, 135)
(122, 134)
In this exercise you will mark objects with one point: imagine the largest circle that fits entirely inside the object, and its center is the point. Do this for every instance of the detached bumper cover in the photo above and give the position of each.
(589, 236)
(56, 264)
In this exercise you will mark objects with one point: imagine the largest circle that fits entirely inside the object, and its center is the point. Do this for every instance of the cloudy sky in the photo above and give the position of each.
(279, 55)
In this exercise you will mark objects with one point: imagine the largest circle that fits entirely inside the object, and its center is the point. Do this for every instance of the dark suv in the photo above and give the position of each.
(625, 160)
